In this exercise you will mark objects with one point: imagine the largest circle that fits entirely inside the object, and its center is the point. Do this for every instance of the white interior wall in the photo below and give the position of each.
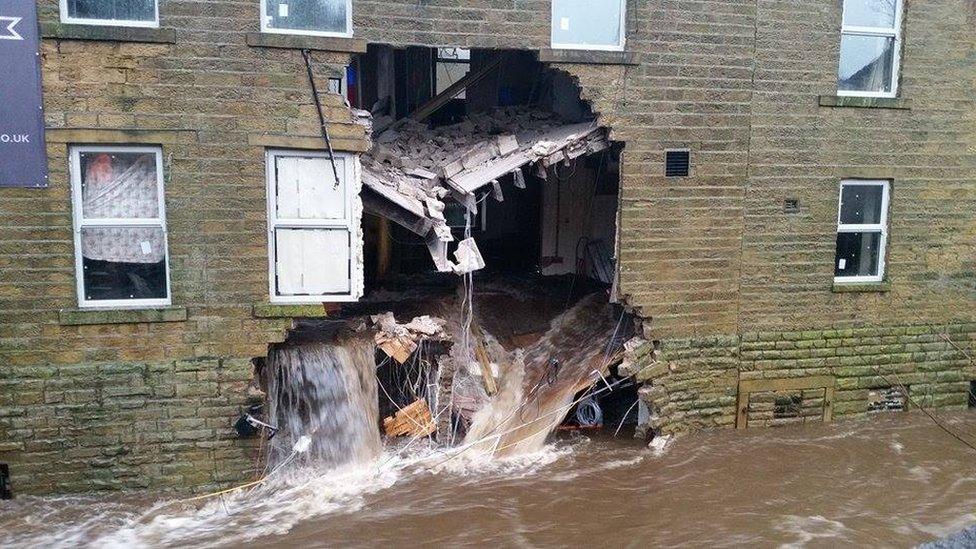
(580, 213)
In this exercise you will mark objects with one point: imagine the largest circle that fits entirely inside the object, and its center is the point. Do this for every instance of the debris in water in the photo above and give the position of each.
(399, 341)
(412, 420)
(302, 445)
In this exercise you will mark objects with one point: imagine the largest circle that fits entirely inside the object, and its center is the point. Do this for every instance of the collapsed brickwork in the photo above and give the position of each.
(732, 287)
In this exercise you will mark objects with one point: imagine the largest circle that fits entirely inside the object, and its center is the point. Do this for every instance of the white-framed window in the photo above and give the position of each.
(119, 213)
(589, 24)
(120, 13)
(862, 231)
(314, 227)
(312, 17)
(870, 48)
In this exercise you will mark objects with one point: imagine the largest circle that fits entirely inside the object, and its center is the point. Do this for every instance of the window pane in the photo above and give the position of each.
(307, 15)
(870, 13)
(866, 63)
(586, 22)
(312, 261)
(860, 204)
(449, 73)
(307, 189)
(123, 263)
(857, 254)
(120, 10)
(119, 185)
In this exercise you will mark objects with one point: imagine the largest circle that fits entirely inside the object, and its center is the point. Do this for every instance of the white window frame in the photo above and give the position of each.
(300, 32)
(881, 32)
(67, 19)
(621, 39)
(351, 175)
(881, 228)
(79, 222)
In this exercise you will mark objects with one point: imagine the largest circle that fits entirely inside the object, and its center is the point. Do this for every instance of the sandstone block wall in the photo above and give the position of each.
(708, 260)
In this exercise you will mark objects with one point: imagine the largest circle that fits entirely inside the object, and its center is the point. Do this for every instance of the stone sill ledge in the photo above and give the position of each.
(851, 287)
(274, 310)
(62, 31)
(80, 317)
(310, 142)
(865, 102)
(298, 42)
(590, 57)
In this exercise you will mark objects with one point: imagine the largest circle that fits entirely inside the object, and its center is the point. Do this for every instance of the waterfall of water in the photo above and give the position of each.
(326, 391)
(539, 386)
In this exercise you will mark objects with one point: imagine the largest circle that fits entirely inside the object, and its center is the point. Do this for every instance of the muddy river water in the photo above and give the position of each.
(892, 481)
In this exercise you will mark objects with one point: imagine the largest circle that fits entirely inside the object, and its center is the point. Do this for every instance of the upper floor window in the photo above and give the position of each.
(316, 17)
(862, 231)
(119, 226)
(870, 47)
(588, 24)
(123, 13)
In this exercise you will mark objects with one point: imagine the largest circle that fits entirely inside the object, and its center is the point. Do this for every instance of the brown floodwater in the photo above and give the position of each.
(893, 480)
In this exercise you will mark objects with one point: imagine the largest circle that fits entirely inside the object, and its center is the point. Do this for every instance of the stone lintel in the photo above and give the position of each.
(119, 136)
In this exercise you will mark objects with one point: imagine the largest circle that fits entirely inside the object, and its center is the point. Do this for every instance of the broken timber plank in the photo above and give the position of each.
(411, 420)
(479, 351)
(399, 350)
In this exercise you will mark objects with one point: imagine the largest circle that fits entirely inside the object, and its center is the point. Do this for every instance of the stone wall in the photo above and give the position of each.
(122, 399)
(708, 260)
(695, 384)
(125, 425)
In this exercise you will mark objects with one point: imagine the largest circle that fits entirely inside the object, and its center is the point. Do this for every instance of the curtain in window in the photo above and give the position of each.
(121, 186)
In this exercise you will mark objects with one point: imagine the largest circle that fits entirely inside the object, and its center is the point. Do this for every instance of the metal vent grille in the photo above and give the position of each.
(787, 406)
(677, 163)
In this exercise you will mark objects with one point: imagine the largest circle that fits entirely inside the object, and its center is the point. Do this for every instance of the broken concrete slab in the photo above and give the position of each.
(416, 167)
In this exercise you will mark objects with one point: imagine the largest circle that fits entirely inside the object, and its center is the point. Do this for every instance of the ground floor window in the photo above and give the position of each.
(119, 215)
(862, 231)
(313, 227)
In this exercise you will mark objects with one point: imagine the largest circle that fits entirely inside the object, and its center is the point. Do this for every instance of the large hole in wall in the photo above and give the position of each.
(546, 220)
(439, 343)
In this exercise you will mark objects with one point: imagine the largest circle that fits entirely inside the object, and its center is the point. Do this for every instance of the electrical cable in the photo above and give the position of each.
(306, 55)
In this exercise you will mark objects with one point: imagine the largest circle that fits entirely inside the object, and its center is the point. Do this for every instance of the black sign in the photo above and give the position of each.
(23, 159)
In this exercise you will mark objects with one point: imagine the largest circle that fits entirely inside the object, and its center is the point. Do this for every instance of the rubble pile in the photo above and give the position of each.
(400, 340)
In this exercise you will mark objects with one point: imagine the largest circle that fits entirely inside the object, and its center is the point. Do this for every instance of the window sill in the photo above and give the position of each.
(852, 287)
(590, 57)
(80, 317)
(865, 102)
(306, 42)
(274, 310)
(62, 31)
